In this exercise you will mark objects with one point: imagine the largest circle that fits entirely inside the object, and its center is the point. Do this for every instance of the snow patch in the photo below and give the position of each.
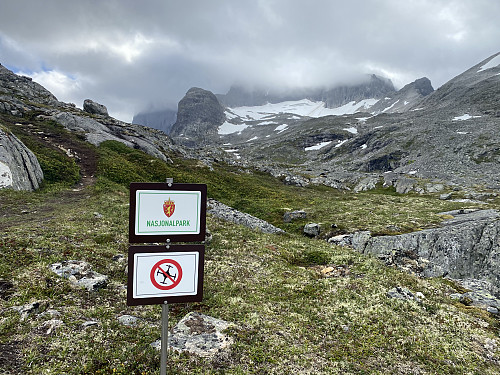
(317, 146)
(228, 128)
(230, 115)
(464, 117)
(462, 132)
(304, 107)
(494, 62)
(253, 139)
(234, 152)
(364, 146)
(352, 130)
(281, 128)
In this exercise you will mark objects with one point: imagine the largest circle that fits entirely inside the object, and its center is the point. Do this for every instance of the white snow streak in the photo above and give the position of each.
(392, 105)
(351, 130)
(281, 128)
(464, 117)
(341, 143)
(318, 146)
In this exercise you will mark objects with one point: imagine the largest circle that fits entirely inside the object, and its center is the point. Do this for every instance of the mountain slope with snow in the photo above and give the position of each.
(240, 118)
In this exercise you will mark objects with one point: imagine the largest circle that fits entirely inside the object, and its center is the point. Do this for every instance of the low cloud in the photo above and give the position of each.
(132, 55)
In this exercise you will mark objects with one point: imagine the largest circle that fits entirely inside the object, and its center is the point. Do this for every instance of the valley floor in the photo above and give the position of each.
(297, 305)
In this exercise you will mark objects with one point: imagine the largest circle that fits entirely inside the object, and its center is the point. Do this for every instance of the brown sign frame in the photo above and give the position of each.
(134, 238)
(131, 301)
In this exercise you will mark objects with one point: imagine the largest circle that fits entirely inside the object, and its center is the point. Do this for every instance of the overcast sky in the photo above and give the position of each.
(130, 54)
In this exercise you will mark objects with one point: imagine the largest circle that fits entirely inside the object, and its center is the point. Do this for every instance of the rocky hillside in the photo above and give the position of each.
(446, 137)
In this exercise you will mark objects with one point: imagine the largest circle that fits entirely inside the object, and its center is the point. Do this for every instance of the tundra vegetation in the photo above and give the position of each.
(289, 314)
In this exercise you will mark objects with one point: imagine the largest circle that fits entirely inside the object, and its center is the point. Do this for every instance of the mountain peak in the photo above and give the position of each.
(199, 115)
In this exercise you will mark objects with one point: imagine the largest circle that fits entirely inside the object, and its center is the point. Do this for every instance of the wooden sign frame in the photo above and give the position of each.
(162, 251)
(170, 236)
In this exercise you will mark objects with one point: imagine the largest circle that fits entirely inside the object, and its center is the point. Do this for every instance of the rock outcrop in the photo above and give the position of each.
(375, 87)
(92, 107)
(407, 97)
(199, 334)
(199, 116)
(14, 87)
(466, 248)
(80, 274)
(227, 213)
(19, 167)
(148, 140)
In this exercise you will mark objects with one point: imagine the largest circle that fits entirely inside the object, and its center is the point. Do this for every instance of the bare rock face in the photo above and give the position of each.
(157, 119)
(227, 213)
(199, 116)
(92, 107)
(404, 99)
(466, 247)
(134, 136)
(19, 167)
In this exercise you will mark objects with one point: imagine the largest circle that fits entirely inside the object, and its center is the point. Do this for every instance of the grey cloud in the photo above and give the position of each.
(131, 54)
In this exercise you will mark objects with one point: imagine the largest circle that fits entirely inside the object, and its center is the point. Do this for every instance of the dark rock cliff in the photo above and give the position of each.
(157, 119)
(405, 99)
(199, 115)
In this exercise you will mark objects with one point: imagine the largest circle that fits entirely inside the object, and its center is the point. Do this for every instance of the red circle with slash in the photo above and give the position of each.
(170, 271)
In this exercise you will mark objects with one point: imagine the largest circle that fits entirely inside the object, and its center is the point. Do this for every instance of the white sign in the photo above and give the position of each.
(169, 274)
(160, 212)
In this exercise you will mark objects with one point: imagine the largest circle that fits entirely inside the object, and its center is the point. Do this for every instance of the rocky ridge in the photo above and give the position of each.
(405, 99)
(371, 86)
(23, 98)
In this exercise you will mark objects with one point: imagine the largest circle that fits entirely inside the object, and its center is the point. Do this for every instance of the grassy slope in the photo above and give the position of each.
(288, 317)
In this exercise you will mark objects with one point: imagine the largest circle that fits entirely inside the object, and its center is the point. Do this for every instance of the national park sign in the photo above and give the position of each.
(162, 213)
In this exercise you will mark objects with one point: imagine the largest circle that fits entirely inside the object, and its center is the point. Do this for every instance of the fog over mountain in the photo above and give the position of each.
(133, 56)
